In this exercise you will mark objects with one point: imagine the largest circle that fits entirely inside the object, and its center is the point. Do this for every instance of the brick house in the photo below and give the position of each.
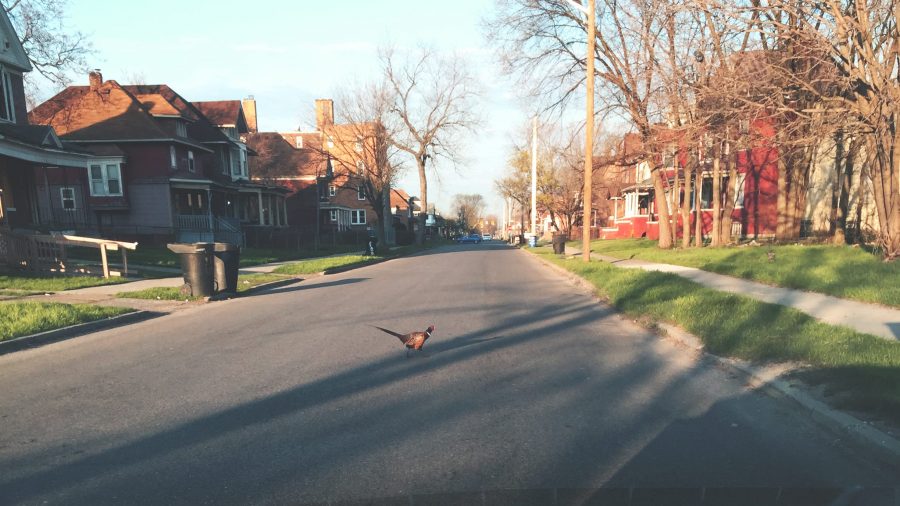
(158, 168)
(327, 172)
(28, 153)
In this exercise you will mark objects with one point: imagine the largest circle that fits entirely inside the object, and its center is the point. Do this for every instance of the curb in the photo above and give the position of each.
(251, 291)
(771, 382)
(61, 334)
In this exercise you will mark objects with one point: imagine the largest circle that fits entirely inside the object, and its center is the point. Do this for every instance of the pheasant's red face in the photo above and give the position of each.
(431, 329)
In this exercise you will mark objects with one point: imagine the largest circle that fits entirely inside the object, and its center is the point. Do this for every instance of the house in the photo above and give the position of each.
(331, 173)
(30, 153)
(158, 168)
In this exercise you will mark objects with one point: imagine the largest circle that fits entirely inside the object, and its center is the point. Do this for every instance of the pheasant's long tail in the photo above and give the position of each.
(398, 335)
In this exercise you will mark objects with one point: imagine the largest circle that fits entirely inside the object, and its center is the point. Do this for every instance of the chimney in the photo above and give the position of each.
(249, 105)
(324, 113)
(95, 78)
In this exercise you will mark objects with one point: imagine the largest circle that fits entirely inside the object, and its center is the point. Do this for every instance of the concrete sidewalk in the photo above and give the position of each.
(882, 321)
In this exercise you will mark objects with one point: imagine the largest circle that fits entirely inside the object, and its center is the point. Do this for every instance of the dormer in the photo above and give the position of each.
(13, 64)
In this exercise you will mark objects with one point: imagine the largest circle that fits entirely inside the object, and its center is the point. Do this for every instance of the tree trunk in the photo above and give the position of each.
(730, 195)
(673, 205)
(423, 195)
(662, 210)
(845, 181)
(782, 199)
(698, 215)
(716, 232)
(885, 173)
(686, 211)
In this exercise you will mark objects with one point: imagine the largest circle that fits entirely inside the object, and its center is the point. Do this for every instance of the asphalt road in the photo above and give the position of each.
(528, 389)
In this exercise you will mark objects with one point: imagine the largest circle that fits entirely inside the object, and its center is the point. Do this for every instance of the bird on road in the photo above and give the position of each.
(413, 340)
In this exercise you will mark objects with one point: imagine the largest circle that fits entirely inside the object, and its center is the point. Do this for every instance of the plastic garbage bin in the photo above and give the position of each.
(559, 243)
(196, 267)
(226, 260)
(532, 241)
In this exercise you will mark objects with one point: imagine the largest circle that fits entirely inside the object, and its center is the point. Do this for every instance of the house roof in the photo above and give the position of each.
(157, 105)
(199, 126)
(38, 135)
(224, 113)
(277, 157)
(399, 198)
(108, 113)
(14, 55)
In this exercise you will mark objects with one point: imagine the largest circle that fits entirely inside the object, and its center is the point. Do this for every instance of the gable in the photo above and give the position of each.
(12, 53)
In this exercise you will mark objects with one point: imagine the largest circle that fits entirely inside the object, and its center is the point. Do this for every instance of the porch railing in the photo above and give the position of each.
(194, 222)
(31, 252)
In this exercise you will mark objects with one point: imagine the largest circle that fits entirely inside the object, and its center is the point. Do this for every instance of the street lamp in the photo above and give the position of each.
(589, 12)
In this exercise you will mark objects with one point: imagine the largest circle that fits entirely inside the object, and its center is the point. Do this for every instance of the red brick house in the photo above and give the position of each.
(325, 170)
(28, 153)
(158, 168)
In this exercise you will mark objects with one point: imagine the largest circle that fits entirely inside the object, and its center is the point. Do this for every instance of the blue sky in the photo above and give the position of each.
(288, 53)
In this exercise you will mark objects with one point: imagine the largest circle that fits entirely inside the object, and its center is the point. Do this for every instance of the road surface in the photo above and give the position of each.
(528, 389)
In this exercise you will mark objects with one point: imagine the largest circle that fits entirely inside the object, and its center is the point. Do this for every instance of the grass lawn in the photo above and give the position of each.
(861, 371)
(245, 282)
(23, 282)
(315, 265)
(842, 271)
(159, 256)
(24, 318)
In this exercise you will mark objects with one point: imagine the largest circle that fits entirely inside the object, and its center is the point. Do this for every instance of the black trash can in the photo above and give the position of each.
(226, 260)
(559, 244)
(196, 267)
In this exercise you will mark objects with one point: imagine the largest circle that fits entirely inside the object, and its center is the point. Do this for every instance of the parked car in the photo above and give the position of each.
(469, 238)
(486, 237)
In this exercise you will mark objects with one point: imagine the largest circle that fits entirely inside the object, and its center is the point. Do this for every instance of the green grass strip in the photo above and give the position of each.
(863, 370)
(323, 264)
(843, 271)
(157, 293)
(24, 318)
(53, 283)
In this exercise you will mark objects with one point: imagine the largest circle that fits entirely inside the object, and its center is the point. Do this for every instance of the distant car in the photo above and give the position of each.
(486, 237)
(469, 238)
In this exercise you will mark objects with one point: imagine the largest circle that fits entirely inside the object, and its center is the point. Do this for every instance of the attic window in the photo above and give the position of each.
(299, 142)
(180, 128)
(173, 160)
(7, 106)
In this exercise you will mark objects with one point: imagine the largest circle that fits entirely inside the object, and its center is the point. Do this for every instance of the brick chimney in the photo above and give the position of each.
(249, 105)
(324, 113)
(95, 78)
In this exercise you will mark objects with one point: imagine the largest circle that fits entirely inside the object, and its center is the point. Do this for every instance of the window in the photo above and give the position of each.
(360, 168)
(706, 192)
(191, 161)
(299, 142)
(739, 189)
(106, 179)
(7, 106)
(224, 162)
(67, 196)
(173, 159)
(180, 128)
(332, 215)
(359, 144)
(358, 217)
(244, 162)
(235, 163)
(360, 192)
(330, 142)
(332, 190)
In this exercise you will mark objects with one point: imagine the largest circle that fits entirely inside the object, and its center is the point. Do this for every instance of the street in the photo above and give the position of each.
(291, 396)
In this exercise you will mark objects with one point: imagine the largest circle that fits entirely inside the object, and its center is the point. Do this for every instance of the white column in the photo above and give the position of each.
(260, 202)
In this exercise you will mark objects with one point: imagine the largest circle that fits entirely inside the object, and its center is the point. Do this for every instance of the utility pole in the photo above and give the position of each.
(589, 134)
(534, 177)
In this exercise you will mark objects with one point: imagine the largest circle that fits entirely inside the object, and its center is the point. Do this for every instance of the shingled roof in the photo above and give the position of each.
(224, 113)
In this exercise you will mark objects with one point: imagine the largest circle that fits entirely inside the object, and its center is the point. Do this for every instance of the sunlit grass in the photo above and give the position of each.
(22, 282)
(24, 318)
(863, 369)
(842, 271)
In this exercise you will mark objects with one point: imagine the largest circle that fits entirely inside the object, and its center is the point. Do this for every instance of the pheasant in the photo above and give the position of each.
(413, 340)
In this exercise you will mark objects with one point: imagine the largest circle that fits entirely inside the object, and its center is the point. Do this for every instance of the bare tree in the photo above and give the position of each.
(432, 104)
(361, 146)
(468, 209)
(53, 49)
(516, 184)
(540, 41)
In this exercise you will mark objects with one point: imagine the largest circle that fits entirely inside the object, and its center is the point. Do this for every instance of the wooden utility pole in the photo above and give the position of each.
(589, 134)
(534, 178)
